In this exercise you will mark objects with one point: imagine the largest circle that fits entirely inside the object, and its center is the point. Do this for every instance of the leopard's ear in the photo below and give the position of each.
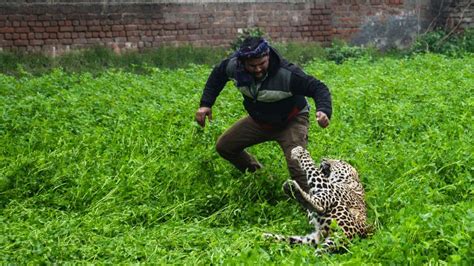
(325, 168)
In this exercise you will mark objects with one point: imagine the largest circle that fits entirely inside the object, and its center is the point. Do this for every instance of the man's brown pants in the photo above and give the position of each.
(246, 132)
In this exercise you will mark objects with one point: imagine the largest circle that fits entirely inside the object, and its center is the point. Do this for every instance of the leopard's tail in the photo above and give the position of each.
(311, 239)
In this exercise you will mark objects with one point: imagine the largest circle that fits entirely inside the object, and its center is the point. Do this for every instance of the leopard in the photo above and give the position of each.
(335, 196)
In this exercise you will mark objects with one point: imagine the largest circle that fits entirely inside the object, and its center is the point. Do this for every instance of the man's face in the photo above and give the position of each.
(257, 66)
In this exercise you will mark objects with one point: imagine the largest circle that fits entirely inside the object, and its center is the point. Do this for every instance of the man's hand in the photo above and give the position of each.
(322, 119)
(201, 114)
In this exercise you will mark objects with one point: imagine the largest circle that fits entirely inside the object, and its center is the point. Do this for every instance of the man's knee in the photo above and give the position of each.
(220, 147)
(223, 147)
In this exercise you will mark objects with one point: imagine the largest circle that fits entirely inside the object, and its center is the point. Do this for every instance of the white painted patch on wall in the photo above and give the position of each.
(387, 31)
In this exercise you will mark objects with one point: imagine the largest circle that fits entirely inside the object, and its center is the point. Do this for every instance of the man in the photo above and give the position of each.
(274, 93)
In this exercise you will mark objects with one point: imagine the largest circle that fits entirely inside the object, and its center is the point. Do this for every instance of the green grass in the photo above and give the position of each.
(112, 168)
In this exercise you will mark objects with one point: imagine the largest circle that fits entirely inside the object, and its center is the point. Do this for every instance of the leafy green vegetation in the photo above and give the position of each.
(440, 41)
(111, 168)
(100, 59)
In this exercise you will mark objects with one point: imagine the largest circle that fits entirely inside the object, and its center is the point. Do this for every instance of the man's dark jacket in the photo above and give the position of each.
(278, 98)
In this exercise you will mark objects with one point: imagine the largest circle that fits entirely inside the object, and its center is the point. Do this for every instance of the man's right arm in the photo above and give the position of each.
(214, 85)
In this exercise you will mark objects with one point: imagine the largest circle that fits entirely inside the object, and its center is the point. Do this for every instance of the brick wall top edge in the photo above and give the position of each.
(111, 2)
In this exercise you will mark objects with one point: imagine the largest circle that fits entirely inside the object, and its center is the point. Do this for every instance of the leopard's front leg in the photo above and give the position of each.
(293, 190)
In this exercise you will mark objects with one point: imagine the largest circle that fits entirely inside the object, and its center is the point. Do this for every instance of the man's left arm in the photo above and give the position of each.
(303, 84)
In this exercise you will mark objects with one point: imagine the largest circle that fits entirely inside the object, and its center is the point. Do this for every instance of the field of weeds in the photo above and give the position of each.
(112, 168)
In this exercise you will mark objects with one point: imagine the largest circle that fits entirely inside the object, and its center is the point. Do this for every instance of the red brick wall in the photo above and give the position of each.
(58, 26)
